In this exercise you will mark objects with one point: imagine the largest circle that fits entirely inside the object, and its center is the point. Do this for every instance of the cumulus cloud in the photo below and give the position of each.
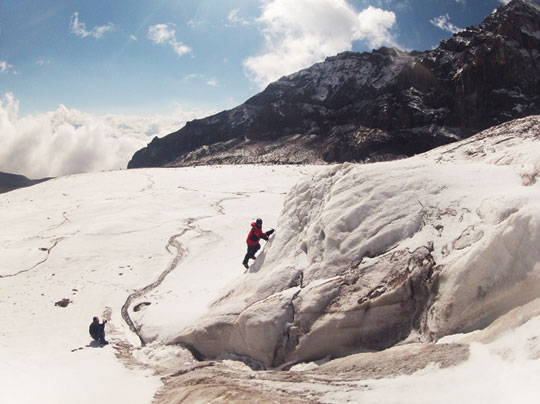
(67, 141)
(164, 34)
(212, 82)
(79, 28)
(298, 33)
(5, 67)
(374, 27)
(443, 22)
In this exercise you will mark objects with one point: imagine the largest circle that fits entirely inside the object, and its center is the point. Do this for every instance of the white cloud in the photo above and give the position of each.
(67, 141)
(132, 38)
(164, 34)
(374, 27)
(235, 20)
(5, 67)
(443, 22)
(79, 28)
(505, 1)
(43, 62)
(298, 33)
(161, 33)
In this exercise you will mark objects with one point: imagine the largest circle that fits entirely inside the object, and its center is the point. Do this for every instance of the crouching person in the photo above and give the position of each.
(97, 331)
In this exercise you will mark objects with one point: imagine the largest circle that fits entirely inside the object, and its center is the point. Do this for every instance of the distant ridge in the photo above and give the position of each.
(374, 106)
(10, 182)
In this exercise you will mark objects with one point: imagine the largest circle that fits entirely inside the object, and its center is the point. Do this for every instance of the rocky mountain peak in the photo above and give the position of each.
(374, 106)
(516, 7)
(517, 21)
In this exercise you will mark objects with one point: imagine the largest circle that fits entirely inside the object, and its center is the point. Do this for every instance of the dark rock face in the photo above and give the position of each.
(10, 182)
(375, 106)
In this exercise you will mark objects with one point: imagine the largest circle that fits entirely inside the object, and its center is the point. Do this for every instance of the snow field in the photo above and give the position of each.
(347, 238)
(95, 239)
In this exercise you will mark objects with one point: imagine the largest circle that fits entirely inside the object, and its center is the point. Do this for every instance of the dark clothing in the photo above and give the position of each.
(251, 251)
(97, 331)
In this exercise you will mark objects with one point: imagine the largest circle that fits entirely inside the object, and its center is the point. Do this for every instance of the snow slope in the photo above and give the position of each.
(369, 255)
(440, 247)
(96, 239)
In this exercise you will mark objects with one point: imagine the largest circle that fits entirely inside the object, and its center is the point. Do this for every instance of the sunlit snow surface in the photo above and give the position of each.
(97, 238)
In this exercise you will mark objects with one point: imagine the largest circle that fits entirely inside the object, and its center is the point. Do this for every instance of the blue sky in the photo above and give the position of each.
(150, 56)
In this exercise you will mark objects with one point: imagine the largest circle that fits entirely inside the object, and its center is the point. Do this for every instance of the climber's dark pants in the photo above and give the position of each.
(251, 251)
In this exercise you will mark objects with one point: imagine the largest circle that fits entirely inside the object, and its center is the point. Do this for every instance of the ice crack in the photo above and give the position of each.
(180, 254)
(56, 241)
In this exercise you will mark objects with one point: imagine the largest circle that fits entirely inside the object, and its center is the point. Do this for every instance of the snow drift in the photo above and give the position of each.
(366, 256)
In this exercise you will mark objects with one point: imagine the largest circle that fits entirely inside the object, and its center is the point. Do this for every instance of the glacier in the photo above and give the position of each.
(381, 281)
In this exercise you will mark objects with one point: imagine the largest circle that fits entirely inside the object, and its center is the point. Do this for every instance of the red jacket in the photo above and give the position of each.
(255, 235)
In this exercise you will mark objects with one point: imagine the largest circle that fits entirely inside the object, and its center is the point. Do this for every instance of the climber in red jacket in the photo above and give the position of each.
(253, 238)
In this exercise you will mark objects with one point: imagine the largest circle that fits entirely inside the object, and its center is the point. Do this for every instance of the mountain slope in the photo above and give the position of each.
(375, 106)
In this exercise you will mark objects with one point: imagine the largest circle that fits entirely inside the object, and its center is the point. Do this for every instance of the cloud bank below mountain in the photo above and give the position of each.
(67, 141)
